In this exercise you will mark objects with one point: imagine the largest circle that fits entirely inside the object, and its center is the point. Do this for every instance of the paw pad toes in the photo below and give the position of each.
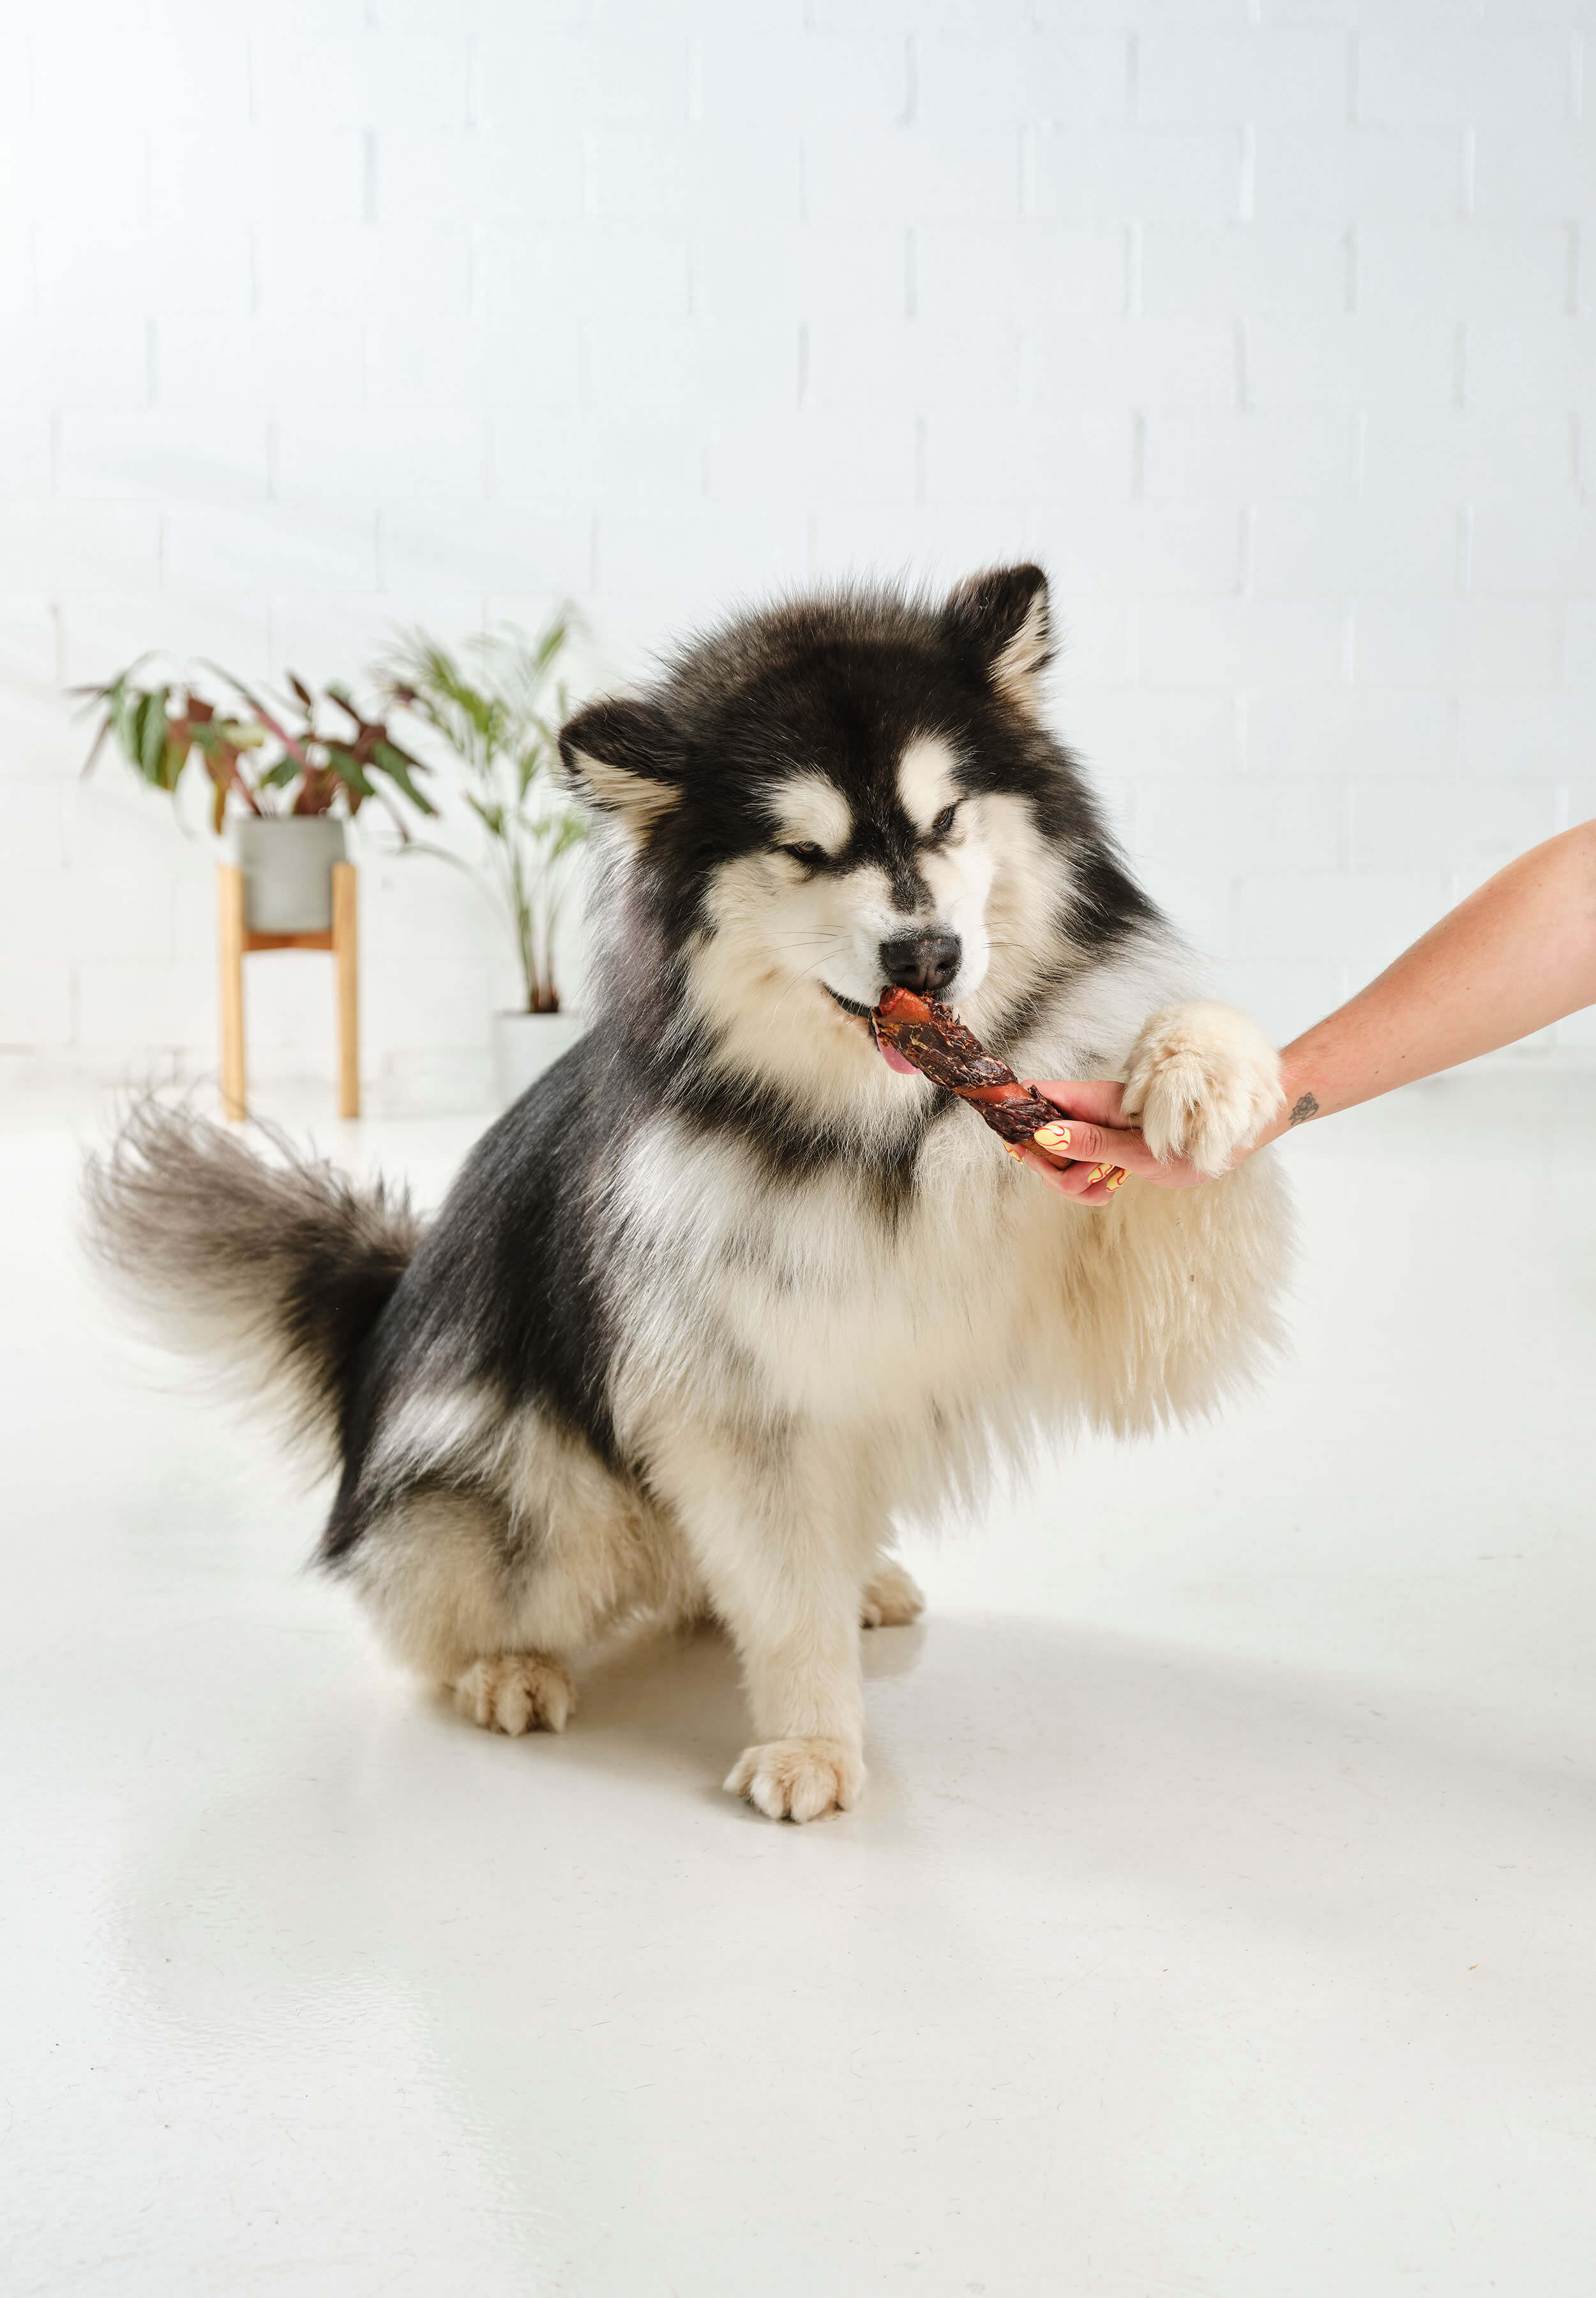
(798, 1780)
(514, 1694)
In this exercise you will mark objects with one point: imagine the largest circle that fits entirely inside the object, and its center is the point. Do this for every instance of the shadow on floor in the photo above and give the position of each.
(1054, 1759)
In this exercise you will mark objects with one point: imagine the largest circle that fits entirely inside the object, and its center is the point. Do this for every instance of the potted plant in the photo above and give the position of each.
(489, 706)
(280, 772)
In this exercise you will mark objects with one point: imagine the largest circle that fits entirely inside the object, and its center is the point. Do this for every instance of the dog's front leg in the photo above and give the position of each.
(776, 1550)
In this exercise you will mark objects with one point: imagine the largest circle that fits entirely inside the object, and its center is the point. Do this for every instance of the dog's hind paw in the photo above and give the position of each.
(1204, 1081)
(892, 1600)
(798, 1779)
(515, 1692)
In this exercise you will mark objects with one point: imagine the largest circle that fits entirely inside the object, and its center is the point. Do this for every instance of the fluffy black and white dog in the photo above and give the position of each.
(723, 1295)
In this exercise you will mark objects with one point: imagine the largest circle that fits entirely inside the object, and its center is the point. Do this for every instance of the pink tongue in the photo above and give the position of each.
(894, 1059)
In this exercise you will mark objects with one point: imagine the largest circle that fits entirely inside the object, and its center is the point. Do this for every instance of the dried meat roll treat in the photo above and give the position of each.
(932, 1037)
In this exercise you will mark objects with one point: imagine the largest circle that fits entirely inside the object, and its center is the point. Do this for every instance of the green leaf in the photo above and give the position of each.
(124, 720)
(152, 735)
(551, 641)
(126, 712)
(174, 758)
(401, 770)
(491, 817)
(349, 769)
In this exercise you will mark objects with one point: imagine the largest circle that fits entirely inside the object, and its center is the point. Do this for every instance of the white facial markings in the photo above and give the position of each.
(782, 936)
(788, 925)
(925, 778)
(811, 811)
(956, 869)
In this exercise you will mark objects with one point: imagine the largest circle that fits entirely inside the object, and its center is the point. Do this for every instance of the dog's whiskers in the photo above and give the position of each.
(808, 974)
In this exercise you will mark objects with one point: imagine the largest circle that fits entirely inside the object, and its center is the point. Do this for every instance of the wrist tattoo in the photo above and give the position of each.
(1306, 1108)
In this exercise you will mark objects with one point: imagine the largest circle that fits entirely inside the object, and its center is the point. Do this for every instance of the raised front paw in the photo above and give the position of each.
(798, 1779)
(515, 1692)
(1204, 1081)
(892, 1600)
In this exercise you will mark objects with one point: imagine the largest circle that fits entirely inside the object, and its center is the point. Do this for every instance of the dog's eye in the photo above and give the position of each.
(805, 852)
(944, 821)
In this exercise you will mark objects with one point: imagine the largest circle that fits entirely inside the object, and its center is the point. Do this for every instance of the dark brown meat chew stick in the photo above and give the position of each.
(933, 1038)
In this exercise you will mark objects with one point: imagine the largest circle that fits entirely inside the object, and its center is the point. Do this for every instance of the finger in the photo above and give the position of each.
(1098, 1145)
(1073, 1139)
(1086, 1184)
(1129, 1154)
(1102, 1183)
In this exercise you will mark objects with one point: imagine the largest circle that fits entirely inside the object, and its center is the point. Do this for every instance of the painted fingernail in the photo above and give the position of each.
(1099, 1173)
(1117, 1179)
(1009, 1150)
(1052, 1136)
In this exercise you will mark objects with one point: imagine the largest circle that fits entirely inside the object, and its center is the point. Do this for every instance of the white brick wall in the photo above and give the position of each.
(1270, 327)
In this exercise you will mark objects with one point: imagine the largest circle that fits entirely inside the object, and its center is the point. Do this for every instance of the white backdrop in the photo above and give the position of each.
(1272, 339)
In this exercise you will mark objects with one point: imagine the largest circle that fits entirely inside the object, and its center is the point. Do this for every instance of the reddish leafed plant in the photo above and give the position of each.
(301, 756)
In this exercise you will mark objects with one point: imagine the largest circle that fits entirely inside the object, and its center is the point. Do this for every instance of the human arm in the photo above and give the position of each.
(1518, 954)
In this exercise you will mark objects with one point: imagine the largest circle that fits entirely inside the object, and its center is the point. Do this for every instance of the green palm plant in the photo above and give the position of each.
(496, 705)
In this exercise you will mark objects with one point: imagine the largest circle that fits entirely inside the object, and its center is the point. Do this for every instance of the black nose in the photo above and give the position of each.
(921, 961)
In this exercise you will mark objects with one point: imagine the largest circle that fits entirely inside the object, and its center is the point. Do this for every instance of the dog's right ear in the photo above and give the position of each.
(1000, 621)
(624, 758)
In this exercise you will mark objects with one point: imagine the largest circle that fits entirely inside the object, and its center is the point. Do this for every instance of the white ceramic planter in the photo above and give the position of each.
(288, 866)
(525, 1045)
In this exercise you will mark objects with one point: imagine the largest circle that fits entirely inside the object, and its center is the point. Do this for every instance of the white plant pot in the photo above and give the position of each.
(525, 1045)
(288, 866)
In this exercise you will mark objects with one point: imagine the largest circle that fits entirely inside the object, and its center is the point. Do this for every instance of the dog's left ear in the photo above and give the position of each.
(624, 758)
(1001, 622)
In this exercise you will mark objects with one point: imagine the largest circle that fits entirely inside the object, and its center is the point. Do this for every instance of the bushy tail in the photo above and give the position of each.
(278, 1268)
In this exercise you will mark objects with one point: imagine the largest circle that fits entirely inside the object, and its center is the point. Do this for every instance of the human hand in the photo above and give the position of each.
(1097, 1146)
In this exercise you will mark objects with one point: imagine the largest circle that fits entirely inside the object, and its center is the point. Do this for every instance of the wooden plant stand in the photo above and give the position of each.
(234, 943)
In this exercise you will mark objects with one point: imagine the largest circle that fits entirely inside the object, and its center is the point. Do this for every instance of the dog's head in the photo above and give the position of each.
(837, 795)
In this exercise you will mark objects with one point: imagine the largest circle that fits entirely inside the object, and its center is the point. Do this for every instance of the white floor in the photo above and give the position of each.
(1222, 1919)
